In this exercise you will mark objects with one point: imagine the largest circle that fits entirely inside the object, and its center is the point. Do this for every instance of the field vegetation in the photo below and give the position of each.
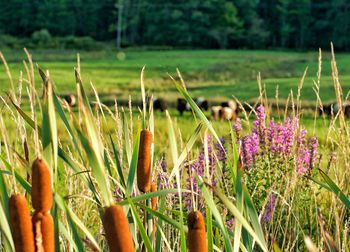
(272, 180)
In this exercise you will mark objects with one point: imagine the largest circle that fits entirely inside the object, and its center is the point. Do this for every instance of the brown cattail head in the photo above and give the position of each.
(144, 161)
(45, 221)
(41, 186)
(154, 199)
(21, 224)
(196, 237)
(117, 229)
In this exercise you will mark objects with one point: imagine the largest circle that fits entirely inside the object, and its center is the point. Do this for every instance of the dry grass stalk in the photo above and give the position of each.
(21, 224)
(41, 186)
(117, 229)
(144, 161)
(197, 236)
(47, 230)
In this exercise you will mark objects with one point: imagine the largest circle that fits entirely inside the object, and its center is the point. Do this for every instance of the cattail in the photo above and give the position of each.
(41, 186)
(196, 237)
(21, 224)
(154, 199)
(47, 230)
(117, 229)
(144, 161)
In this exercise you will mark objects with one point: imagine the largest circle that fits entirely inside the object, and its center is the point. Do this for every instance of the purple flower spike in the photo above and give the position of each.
(269, 209)
(259, 124)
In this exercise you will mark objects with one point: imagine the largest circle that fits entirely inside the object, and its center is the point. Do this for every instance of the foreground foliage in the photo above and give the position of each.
(256, 187)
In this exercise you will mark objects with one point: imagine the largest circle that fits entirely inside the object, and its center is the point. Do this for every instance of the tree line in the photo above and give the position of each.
(297, 24)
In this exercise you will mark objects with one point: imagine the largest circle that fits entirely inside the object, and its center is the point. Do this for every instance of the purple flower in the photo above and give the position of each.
(269, 209)
(281, 136)
(221, 150)
(259, 124)
(237, 127)
(313, 141)
(163, 176)
(303, 153)
(231, 223)
(250, 148)
(198, 167)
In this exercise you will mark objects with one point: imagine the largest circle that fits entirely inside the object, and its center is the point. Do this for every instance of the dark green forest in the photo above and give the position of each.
(300, 24)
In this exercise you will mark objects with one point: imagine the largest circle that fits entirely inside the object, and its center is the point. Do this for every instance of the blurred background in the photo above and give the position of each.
(219, 45)
(301, 24)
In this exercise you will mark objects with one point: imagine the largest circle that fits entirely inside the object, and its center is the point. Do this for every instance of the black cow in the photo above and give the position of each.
(160, 104)
(182, 104)
(71, 100)
(333, 109)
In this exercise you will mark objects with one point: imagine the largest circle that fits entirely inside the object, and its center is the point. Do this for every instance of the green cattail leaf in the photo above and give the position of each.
(196, 109)
(5, 228)
(172, 138)
(212, 206)
(75, 220)
(163, 217)
(127, 142)
(239, 216)
(239, 201)
(69, 237)
(142, 230)
(23, 182)
(184, 153)
(335, 189)
(150, 195)
(133, 165)
(63, 117)
(117, 163)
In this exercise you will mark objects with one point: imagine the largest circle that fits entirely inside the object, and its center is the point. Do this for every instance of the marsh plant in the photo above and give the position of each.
(99, 182)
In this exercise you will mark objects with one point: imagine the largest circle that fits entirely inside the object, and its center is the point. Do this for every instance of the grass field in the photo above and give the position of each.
(264, 185)
(213, 74)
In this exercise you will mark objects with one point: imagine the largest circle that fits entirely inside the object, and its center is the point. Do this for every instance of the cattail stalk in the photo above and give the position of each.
(41, 186)
(154, 199)
(144, 161)
(21, 225)
(117, 229)
(47, 230)
(197, 236)
(154, 202)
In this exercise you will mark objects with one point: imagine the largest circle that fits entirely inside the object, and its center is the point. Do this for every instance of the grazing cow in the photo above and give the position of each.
(181, 105)
(229, 110)
(333, 109)
(215, 112)
(347, 111)
(227, 113)
(70, 99)
(160, 104)
(202, 103)
(230, 104)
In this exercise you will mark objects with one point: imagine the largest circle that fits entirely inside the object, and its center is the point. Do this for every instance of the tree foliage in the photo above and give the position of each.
(297, 24)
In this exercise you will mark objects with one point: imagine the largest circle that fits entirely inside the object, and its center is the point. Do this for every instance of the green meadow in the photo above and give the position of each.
(214, 74)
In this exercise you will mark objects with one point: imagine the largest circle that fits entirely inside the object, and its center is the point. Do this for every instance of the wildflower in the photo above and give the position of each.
(250, 148)
(230, 223)
(280, 137)
(313, 150)
(269, 209)
(221, 150)
(259, 124)
(237, 127)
